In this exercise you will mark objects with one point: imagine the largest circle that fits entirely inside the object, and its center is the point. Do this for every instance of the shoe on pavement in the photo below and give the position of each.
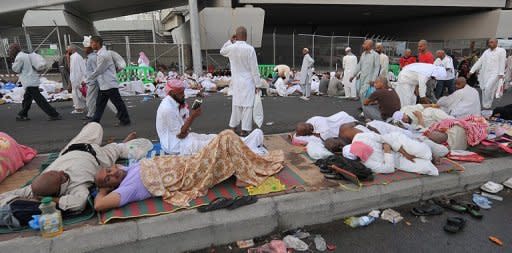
(304, 98)
(58, 117)
(22, 118)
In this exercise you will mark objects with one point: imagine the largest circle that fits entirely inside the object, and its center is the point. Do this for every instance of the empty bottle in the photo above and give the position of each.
(362, 221)
(50, 221)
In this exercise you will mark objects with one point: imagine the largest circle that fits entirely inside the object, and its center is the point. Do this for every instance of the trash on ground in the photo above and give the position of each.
(320, 244)
(269, 123)
(331, 247)
(423, 219)
(492, 196)
(362, 221)
(243, 244)
(375, 214)
(495, 240)
(408, 223)
(301, 234)
(492, 187)
(295, 243)
(508, 183)
(391, 216)
(274, 246)
(481, 201)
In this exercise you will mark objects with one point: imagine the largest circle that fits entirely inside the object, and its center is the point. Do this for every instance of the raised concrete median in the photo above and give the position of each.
(190, 230)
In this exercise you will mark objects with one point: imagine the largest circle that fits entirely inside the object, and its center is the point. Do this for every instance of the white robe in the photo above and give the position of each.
(349, 70)
(306, 70)
(329, 127)
(430, 115)
(170, 119)
(490, 65)
(283, 90)
(462, 102)
(380, 162)
(384, 65)
(77, 76)
(412, 75)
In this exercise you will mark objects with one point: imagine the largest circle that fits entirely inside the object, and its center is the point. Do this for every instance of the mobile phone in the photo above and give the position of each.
(197, 103)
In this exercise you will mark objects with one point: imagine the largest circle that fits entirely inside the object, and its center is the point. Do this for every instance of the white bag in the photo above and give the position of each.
(38, 62)
(317, 150)
(118, 61)
(501, 88)
(257, 111)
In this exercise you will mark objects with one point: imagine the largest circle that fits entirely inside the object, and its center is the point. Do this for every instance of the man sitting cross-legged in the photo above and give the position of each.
(180, 179)
(382, 103)
(69, 177)
(173, 122)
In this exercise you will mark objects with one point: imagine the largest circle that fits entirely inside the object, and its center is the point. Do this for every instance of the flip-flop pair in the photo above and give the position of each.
(460, 207)
(427, 210)
(454, 224)
(230, 204)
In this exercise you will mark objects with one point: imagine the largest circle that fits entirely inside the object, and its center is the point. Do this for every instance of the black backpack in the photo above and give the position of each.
(354, 167)
(18, 213)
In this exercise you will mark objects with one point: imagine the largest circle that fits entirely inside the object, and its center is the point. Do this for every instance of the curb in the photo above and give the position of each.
(190, 230)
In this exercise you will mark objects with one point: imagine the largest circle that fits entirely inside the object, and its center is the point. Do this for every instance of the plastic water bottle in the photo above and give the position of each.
(131, 156)
(50, 221)
(320, 243)
(362, 221)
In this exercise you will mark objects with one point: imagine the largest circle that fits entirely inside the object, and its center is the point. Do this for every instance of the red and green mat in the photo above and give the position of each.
(156, 206)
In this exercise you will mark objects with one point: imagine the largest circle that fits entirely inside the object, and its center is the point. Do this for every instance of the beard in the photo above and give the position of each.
(180, 101)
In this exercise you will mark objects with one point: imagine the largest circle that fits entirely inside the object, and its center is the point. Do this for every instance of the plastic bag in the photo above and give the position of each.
(295, 243)
(501, 88)
(317, 150)
(38, 62)
(257, 111)
(118, 61)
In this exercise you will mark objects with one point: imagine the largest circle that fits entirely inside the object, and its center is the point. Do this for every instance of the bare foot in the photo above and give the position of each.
(111, 139)
(130, 136)
(436, 160)
(241, 184)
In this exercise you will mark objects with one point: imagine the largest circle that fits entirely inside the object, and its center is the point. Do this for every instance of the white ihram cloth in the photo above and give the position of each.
(76, 76)
(447, 64)
(329, 127)
(349, 70)
(380, 162)
(412, 75)
(384, 65)
(169, 120)
(244, 78)
(462, 102)
(490, 65)
(282, 88)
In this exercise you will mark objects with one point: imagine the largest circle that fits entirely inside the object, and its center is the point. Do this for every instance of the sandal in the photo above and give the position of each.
(450, 204)
(427, 210)
(473, 210)
(218, 203)
(454, 224)
(242, 201)
(334, 176)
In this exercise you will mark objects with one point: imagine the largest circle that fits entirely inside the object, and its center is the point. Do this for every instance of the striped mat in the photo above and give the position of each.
(227, 189)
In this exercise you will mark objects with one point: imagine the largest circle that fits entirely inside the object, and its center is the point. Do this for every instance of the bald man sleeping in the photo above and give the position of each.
(69, 177)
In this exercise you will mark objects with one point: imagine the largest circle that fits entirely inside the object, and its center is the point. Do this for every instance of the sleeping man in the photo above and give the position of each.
(321, 128)
(180, 179)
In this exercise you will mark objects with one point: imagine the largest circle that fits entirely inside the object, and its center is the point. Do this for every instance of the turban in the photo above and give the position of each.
(361, 150)
(398, 116)
(348, 49)
(174, 85)
(87, 41)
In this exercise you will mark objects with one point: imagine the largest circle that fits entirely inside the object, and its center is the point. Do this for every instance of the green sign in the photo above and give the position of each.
(47, 52)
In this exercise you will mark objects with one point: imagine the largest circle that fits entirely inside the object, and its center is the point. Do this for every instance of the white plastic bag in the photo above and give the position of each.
(500, 89)
(38, 62)
(317, 150)
(257, 111)
(118, 61)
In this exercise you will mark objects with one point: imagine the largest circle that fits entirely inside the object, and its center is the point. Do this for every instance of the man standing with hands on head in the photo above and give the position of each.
(491, 67)
(306, 72)
(244, 77)
(105, 74)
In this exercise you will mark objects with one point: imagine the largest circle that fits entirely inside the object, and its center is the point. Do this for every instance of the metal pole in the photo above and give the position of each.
(293, 49)
(206, 58)
(58, 37)
(274, 45)
(27, 38)
(4, 50)
(128, 51)
(154, 36)
(194, 36)
(313, 47)
(66, 41)
(330, 62)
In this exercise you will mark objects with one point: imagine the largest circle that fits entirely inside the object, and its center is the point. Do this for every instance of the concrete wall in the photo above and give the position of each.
(458, 3)
(123, 25)
(505, 24)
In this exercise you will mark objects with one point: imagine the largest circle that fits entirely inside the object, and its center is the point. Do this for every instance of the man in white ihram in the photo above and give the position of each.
(306, 72)
(349, 68)
(244, 77)
(491, 66)
(77, 72)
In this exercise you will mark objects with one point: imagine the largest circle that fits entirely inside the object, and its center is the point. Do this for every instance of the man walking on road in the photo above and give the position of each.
(29, 78)
(244, 77)
(306, 72)
(491, 67)
(105, 74)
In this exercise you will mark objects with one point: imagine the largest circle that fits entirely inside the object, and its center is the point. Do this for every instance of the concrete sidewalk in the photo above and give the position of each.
(190, 230)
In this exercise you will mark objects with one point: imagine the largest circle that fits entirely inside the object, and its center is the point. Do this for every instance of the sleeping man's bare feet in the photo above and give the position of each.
(130, 136)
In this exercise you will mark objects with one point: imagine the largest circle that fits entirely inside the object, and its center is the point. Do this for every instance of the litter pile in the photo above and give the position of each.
(51, 90)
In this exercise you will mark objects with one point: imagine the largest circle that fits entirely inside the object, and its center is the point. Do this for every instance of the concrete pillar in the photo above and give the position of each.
(194, 36)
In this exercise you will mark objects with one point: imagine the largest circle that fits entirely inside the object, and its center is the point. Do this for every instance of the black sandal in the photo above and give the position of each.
(218, 203)
(242, 201)
(473, 210)
(454, 224)
(427, 210)
(450, 204)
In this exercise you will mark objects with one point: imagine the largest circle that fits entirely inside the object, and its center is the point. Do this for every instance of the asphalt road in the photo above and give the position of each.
(419, 236)
(281, 115)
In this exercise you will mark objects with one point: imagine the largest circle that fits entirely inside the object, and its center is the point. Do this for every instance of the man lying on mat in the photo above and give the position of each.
(180, 179)
(321, 127)
(69, 177)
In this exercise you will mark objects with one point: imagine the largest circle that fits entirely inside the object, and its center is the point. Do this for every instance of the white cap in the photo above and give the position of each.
(87, 41)
(348, 49)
